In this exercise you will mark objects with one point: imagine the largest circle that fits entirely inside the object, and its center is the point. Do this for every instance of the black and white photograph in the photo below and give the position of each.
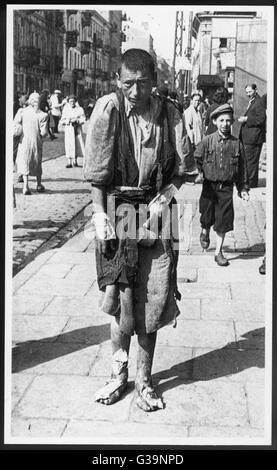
(138, 296)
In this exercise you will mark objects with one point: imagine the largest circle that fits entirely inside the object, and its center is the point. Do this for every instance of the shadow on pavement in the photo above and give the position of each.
(254, 251)
(231, 359)
(32, 353)
(262, 182)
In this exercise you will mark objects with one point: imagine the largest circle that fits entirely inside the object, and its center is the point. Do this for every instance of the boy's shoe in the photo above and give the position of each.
(40, 188)
(205, 239)
(75, 164)
(262, 267)
(26, 192)
(220, 260)
(69, 165)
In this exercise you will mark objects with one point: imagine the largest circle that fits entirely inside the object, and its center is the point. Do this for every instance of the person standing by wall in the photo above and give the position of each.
(56, 105)
(252, 132)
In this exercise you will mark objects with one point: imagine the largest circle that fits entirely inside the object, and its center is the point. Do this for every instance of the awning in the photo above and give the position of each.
(205, 81)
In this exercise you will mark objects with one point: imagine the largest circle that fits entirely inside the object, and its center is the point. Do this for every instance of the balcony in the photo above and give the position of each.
(71, 38)
(85, 47)
(99, 43)
(86, 19)
(29, 56)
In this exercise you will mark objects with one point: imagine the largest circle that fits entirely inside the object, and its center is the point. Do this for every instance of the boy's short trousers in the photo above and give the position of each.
(216, 206)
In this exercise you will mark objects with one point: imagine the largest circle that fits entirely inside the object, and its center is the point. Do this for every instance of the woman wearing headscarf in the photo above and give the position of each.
(73, 117)
(29, 155)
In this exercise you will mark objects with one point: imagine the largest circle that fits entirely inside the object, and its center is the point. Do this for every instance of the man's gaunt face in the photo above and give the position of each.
(136, 86)
(250, 92)
(224, 122)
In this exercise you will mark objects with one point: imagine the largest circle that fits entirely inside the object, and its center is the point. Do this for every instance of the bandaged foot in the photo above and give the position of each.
(113, 390)
(147, 398)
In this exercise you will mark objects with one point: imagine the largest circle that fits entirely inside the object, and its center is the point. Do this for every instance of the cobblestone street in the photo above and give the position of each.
(37, 218)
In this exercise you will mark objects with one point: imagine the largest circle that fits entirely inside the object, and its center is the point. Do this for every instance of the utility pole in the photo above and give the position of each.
(188, 54)
(53, 51)
(178, 77)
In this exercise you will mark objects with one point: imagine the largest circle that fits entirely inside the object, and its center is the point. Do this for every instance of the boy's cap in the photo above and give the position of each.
(222, 109)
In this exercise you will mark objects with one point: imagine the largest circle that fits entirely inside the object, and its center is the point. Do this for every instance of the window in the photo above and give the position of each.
(222, 42)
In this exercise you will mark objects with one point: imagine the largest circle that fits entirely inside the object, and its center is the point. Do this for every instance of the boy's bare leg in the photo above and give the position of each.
(147, 398)
(113, 389)
(26, 188)
(219, 242)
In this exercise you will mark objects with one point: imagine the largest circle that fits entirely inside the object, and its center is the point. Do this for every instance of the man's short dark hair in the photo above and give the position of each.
(196, 94)
(138, 60)
(221, 95)
(173, 95)
(253, 86)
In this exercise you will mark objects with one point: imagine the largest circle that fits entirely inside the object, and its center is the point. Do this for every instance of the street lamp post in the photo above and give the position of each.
(94, 64)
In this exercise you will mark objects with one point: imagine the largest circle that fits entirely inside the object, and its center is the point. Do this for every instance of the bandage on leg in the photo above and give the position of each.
(114, 388)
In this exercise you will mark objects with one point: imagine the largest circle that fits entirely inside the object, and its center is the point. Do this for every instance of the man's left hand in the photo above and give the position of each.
(244, 195)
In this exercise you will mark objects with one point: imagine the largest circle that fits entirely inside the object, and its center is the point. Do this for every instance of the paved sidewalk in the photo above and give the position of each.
(209, 370)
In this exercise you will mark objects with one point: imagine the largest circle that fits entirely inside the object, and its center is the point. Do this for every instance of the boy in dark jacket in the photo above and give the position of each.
(220, 156)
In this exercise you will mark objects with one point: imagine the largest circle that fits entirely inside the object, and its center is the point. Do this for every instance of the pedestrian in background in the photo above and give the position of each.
(220, 157)
(44, 106)
(193, 120)
(186, 102)
(56, 106)
(173, 96)
(29, 155)
(252, 132)
(73, 117)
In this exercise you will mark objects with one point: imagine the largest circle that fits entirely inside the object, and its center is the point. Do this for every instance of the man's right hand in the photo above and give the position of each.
(106, 247)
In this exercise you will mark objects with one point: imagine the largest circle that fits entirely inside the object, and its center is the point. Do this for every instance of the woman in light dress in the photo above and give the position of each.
(73, 117)
(31, 124)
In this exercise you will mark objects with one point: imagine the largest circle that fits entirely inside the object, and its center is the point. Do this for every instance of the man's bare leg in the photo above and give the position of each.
(147, 398)
(113, 390)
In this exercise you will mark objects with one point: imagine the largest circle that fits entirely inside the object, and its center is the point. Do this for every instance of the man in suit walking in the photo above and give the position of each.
(252, 132)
